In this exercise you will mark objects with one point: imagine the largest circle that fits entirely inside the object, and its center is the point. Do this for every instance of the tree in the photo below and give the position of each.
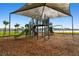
(16, 27)
(5, 23)
(27, 28)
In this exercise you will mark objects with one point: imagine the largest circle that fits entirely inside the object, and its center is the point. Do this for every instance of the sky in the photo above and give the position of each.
(6, 8)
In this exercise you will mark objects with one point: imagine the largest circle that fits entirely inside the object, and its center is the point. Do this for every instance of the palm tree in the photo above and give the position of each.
(27, 28)
(16, 27)
(5, 23)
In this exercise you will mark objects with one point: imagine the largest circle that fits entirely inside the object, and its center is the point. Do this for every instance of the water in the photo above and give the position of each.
(55, 30)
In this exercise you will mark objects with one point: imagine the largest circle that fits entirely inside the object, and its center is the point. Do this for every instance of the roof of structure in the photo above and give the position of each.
(44, 10)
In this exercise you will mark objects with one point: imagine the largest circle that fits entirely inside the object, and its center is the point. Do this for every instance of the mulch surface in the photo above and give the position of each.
(57, 45)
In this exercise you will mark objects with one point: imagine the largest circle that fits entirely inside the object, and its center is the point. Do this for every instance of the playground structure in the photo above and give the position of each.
(41, 13)
(40, 27)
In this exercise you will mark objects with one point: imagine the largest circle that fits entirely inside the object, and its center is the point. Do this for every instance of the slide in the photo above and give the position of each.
(22, 33)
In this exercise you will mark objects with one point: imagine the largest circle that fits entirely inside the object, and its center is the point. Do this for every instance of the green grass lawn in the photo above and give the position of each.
(13, 33)
(7, 33)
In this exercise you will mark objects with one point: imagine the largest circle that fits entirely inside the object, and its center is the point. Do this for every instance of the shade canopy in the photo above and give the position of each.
(44, 10)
